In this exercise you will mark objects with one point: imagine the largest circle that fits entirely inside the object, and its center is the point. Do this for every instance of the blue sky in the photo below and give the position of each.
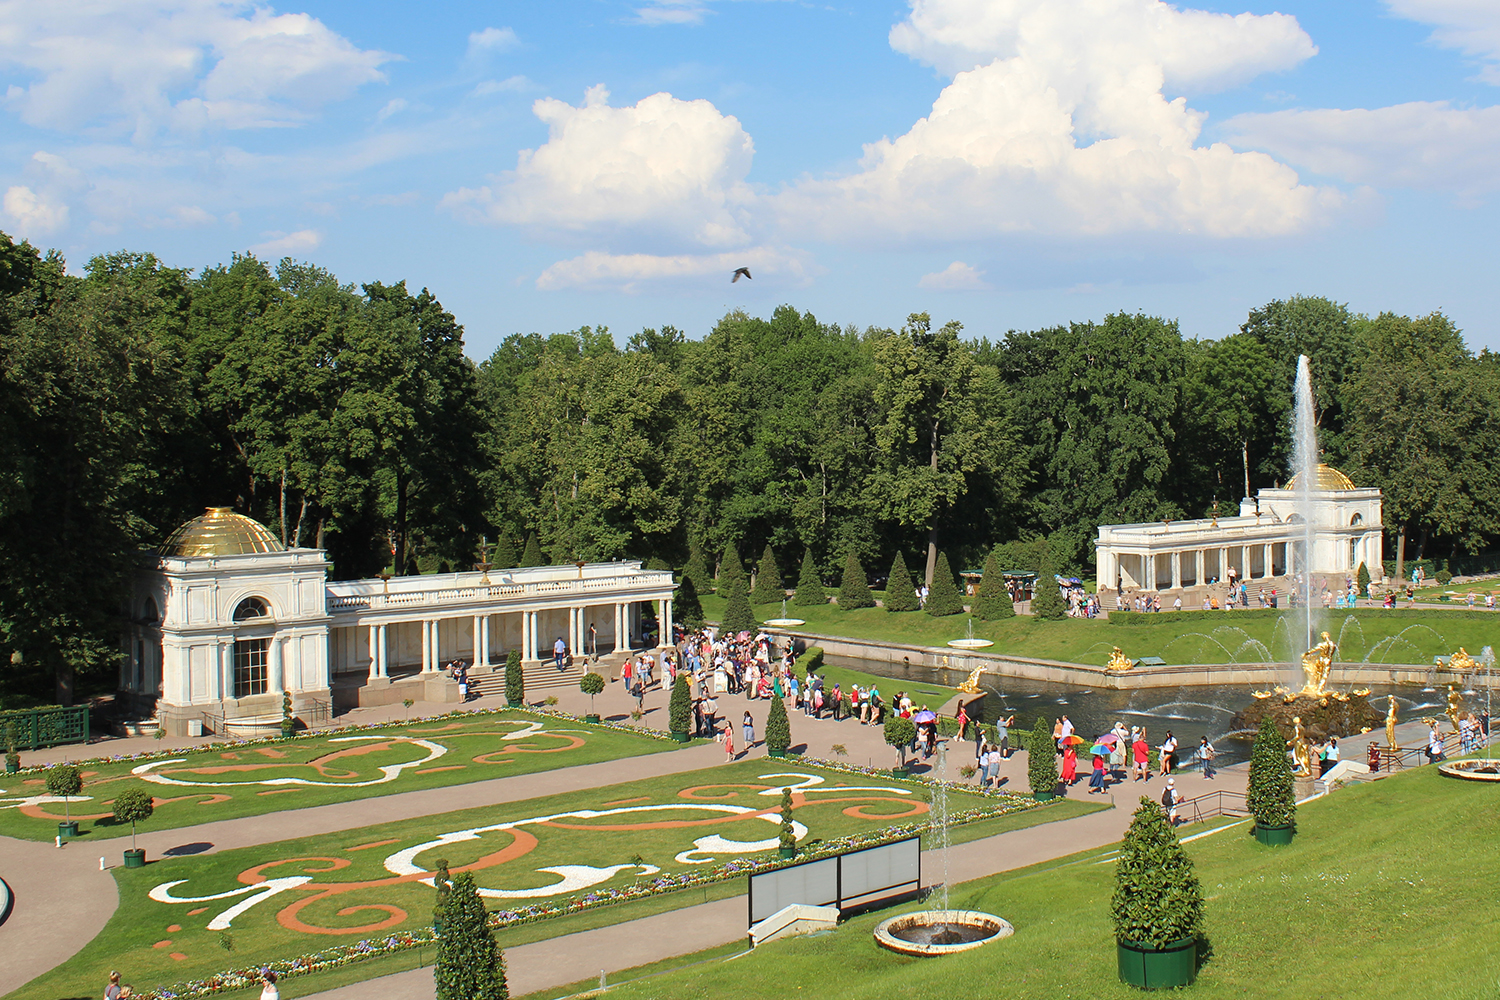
(1008, 163)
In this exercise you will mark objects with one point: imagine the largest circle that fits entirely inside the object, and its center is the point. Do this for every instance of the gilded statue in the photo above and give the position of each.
(1302, 752)
(1118, 660)
(1455, 703)
(1462, 662)
(971, 686)
(1316, 664)
(1390, 724)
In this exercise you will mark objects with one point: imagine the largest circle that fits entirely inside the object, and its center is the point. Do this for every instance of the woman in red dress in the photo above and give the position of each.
(1070, 765)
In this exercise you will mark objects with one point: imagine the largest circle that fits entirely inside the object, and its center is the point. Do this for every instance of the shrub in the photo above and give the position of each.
(515, 678)
(737, 614)
(730, 567)
(1363, 580)
(943, 597)
(133, 805)
(778, 729)
(900, 594)
(1041, 758)
(1157, 900)
(469, 966)
(288, 722)
(680, 707)
(504, 556)
(768, 586)
(788, 835)
(686, 607)
(697, 571)
(1047, 603)
(854, 591)
(532, 555)
(994, 600)
(1269, 795)
(64, 780)
(656, 564)
(591, 684)
(811, 660)
(1444, 576)
(809, 584)
(899, 733)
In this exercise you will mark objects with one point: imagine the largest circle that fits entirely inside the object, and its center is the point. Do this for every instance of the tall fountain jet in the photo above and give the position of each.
(1305, 471)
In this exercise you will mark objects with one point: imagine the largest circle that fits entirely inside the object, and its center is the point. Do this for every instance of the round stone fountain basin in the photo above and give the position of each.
(784, 622)
(940, 932)
(1472, 770)
(971, 643)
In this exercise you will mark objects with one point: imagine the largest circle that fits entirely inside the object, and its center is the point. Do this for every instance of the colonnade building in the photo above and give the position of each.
(224, 619)
(1265, 542)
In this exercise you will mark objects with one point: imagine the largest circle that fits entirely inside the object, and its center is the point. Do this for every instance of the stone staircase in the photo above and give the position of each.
(541, 678)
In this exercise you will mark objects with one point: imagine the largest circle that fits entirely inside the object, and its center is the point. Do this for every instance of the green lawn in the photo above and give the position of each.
(1213, 637)
(1386, 892)
(360, 884)
(229, 782)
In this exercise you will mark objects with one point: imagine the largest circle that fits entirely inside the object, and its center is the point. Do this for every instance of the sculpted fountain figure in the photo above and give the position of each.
(971, 686)
(1455, 705)
(1118, 660)
(1461, 662)
(1316, 664)
(1390, 724)
(1302, 752)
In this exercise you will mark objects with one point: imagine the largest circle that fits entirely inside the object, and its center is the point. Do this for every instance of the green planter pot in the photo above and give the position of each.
(786, 852)
(67, 830)
(900, 772)
(12, 766)
(1158, 968)
(1273, 836)
(680, 737)
(775, 753)
(286, 732)
(591, 718)
(514, 704)
(136, 858)
(1044, 796)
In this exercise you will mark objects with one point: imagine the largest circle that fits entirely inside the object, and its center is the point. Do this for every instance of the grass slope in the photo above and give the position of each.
(1384, 893)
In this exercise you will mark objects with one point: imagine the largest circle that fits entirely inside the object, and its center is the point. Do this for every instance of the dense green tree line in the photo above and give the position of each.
(133, 395)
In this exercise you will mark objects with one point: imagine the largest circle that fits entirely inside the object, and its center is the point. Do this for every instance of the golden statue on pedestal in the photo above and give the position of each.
(1302, 752)
(1316, 664)
(1390, 724)
(1455, 702)
(1118, 660)
(971, 686)
(1461, 661)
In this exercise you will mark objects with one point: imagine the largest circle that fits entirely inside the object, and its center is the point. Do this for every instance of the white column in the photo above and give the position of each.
(1198, 555)
(484, 639)
(426, 646)
(1176, 570)
(619, 626)
(275, 681)
(384, 670)
(666, 635)
(528, 635)
(226, 669)
(374, 653)
(478, 625)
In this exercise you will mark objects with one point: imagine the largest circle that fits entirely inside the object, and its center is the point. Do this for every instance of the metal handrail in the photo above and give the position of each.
(318, 713)
(1199, 808)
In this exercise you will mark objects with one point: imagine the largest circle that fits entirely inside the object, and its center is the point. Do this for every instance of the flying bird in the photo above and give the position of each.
(739, 271)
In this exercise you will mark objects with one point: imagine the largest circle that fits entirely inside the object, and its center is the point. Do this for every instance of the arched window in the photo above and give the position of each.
(149, 613)
(250, 609)
(1356, 519)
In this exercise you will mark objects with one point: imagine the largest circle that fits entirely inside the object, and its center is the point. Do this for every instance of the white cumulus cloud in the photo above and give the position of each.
(596, 271)
(956, 277)
(492, 40)
(1421, 144)
(302, 241)
(151, 64)
(1057, 122)
(33, 214)
(672, 12)
(660, 168)
(1470, 26)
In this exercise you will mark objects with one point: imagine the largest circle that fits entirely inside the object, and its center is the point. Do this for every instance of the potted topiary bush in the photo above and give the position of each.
(680, 709)
(288, 721)
(64, 780)
(12, 759)
(1041, 762)
(515, 680)
(1269, 795)
(591, 685)
(787, 847)
(899, 733)
(1158, 906)
(778, 729)
(133, 806)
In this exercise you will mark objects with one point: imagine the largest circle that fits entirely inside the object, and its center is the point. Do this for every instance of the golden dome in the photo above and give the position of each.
(220, 532)
(1329, 478)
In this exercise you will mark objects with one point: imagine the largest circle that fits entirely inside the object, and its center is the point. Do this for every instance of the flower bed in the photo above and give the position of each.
(1003, 803)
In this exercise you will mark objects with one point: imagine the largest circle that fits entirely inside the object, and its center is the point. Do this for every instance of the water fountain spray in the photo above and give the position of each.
(940, 814)
(1305, 469)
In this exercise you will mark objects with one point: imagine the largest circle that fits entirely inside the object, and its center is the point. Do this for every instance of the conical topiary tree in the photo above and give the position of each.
(697, 571)
(1157, 900)
(686, 607)
(778, 728)
(854, 590)
(1363, 580)
(730, 567)
(1046, 600)
(503, 555)
(768, 586)
(737, 614)
(515, 679)
(809, 584)
(657, 564)
(900, 594)
(1269, 795)
(532, 556)
(1041, 759)
(943, 597)
(680, 706)
(993, 602)
(443, 883)
(469, 966)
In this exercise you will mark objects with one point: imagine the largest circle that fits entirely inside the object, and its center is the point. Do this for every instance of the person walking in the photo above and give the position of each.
(269, 991)
(1142, 757)
(1002, 734)
(559, 650)
(749, 730)
(1168, 751)
(1169, 799)
(1206, 753)
(729, 744)
(1098, 781)
(1070, 765)
(112, 989)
